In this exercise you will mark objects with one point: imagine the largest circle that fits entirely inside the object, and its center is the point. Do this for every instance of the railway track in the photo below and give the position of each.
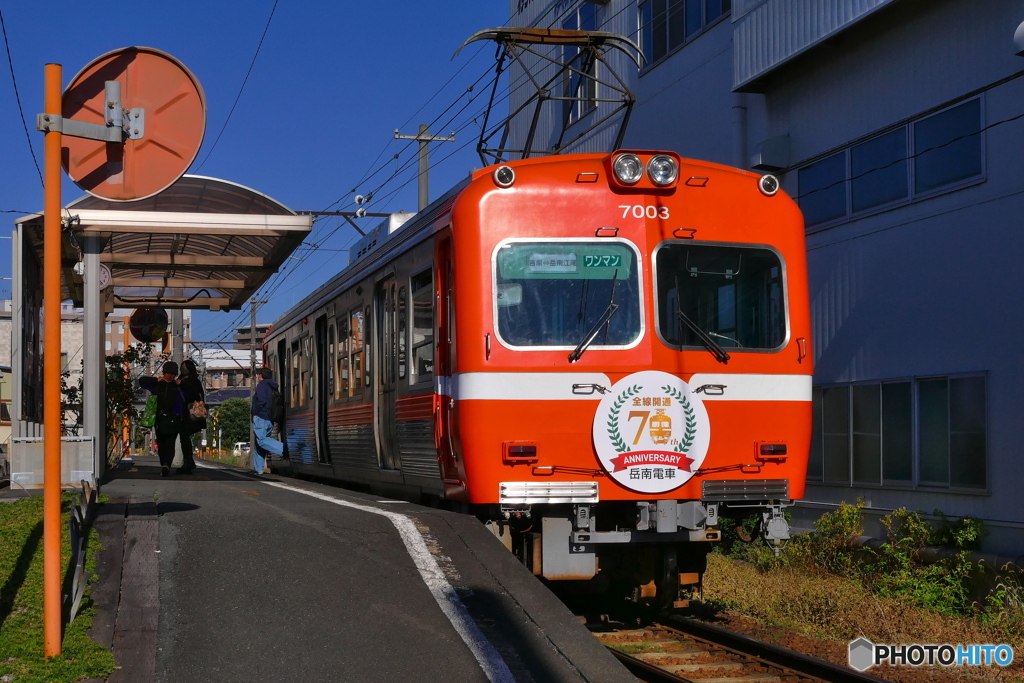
(678, 649)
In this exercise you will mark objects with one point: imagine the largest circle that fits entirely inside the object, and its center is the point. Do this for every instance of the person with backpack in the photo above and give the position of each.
(173, 398)
(264, 405)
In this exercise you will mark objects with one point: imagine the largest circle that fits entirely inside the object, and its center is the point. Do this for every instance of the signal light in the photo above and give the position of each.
(771, 451)
(518, 452)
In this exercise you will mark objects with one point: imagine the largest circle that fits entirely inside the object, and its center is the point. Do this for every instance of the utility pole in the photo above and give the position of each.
(424, 138)
(253, 304)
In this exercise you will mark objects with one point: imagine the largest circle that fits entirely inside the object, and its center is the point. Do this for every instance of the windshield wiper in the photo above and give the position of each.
(710, 344)
(605, 318)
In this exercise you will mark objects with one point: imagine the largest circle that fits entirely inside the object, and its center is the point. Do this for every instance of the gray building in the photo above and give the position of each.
(898, 125)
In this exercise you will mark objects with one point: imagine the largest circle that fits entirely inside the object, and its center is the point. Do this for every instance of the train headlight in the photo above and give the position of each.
(662, 170)
(504, 176)
(628, 168)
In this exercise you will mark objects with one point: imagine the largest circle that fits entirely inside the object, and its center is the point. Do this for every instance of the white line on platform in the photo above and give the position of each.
(447, 599)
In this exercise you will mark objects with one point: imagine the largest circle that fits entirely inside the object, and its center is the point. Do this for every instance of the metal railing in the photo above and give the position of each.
(82, 512)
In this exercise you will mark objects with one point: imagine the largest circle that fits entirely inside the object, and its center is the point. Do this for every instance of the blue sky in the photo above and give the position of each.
(331, 83)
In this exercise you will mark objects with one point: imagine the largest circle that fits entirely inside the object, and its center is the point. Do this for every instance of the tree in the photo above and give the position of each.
(123, 370)
(233, 420)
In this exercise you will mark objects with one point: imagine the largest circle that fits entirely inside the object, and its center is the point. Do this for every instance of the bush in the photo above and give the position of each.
(894, 569)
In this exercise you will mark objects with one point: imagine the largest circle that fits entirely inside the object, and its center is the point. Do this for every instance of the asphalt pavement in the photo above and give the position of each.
(225, 576)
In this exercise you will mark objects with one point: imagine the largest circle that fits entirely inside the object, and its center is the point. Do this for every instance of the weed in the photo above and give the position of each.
(827, 584)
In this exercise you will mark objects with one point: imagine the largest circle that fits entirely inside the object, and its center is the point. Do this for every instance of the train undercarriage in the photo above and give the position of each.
(649, 553)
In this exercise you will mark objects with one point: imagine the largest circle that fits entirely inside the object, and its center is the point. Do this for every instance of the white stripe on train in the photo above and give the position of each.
(582, 386)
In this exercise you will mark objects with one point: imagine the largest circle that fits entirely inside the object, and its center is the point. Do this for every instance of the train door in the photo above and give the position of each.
(385, 341)
(320, 393)
(444, 354)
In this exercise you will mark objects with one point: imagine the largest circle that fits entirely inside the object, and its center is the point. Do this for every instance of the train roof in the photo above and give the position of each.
(369, 257)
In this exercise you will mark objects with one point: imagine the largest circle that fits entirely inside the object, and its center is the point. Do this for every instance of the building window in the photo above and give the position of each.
(579, 84)
(107, 345)
(875, 433)
(948, 147)
(878, 169)
(667, 24)
(945, 150)
(108, 328)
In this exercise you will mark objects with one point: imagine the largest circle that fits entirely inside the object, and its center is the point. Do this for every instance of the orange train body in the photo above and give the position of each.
(594, 364)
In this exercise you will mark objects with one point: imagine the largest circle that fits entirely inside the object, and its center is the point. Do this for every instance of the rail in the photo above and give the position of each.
(677, 650)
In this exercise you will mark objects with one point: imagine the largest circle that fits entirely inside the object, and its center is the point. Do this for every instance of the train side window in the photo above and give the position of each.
(307, 367)
(356, 350)
(295, 374)
(341, 387)
(402, 326)
(368, 364)
(330, 360)
(422, 286)
(285, 380)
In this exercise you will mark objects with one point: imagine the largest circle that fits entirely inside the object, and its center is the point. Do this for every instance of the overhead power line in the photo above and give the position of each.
(17, 97)
(240, 89)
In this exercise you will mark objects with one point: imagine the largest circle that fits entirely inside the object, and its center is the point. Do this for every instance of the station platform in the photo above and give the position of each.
(224, 576)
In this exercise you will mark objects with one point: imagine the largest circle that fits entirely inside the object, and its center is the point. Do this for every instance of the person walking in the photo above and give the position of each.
(190, 385)
(261, 424)
(172, 403)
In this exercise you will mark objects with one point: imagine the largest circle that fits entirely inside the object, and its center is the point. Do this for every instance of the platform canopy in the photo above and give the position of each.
(203, 243)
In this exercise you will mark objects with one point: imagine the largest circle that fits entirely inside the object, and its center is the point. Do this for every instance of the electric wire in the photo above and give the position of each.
(241, 88)
(21, 109)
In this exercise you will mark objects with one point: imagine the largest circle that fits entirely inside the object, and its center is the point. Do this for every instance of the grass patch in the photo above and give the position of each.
(21, 601)
(826, 586)
(226, 458)
(634, 648)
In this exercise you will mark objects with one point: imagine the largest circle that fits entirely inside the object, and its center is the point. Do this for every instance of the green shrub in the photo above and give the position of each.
(892, 570)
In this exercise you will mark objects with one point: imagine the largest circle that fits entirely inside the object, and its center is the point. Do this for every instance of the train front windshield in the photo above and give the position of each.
(555, 294)
(732, 293)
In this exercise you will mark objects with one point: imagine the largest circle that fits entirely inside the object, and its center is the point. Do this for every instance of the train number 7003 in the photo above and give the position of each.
(641, 211)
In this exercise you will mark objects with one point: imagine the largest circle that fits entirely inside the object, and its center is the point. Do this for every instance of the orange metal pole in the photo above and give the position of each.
(52, 417)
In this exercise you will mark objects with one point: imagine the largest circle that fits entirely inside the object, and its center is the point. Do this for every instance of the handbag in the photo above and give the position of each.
(148, 418)
(197, 410)
(197, 414)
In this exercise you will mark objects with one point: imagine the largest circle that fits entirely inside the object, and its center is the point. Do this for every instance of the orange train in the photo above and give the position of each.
(593, 353)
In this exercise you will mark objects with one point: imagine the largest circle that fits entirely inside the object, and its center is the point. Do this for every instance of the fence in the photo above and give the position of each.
(77, 461)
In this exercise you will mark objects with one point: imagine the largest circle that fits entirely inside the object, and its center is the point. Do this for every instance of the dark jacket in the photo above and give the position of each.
(193, 389)
(172, 399)
(261, 400)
